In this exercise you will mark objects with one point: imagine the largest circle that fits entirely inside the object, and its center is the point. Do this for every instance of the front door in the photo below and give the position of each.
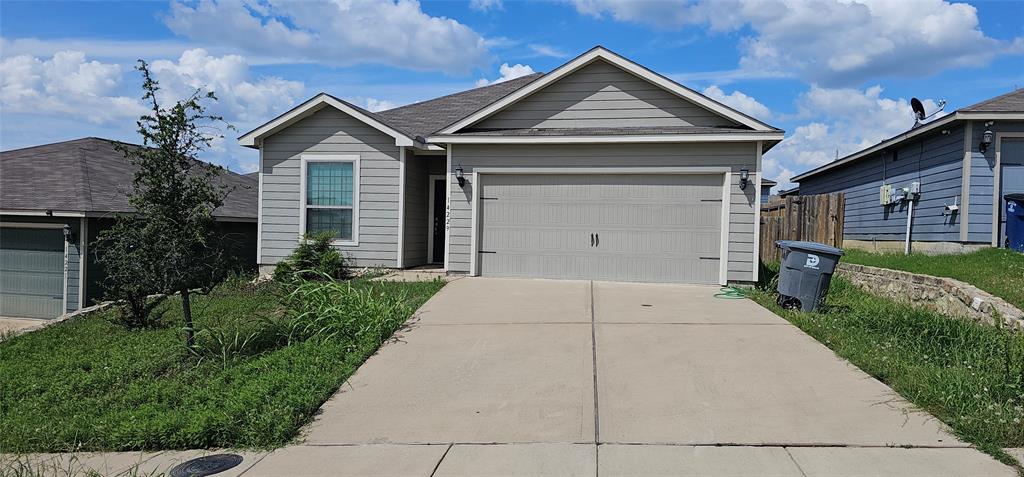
(438, 191)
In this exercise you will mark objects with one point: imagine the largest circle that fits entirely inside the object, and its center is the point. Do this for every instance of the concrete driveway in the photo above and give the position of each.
(536, 377)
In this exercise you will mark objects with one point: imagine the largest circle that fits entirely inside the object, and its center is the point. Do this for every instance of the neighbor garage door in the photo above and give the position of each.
(622, 227)
(31, 272)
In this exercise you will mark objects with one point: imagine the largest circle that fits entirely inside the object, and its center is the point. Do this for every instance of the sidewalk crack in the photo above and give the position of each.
(438, 465)
(797, 464)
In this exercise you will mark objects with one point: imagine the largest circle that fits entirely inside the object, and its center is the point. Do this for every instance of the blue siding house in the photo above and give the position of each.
(964, 163)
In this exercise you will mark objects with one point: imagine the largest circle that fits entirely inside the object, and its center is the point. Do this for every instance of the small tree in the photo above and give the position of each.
(169, 245)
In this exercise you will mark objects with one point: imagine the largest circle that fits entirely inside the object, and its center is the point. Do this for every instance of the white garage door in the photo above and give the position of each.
(619, 227)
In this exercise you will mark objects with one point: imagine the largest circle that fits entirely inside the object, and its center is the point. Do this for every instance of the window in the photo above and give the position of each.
(330, 193)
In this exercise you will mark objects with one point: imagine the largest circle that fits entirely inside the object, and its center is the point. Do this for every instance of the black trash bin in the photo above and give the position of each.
(806, 273)
(1014, 221)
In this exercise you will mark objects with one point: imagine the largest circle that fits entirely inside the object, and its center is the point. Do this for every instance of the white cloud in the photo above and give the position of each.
(739, 101)
(547, 50)
(486, 5)
(838, 122)
(239, 98)
(508, 73)
(837, 42)
(67, 85)
(374, 104)
(344, 32)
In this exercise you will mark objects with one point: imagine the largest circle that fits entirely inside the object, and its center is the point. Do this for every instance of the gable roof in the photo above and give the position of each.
(314, 104)
(426, 117)
(601, 53)
(90, 176)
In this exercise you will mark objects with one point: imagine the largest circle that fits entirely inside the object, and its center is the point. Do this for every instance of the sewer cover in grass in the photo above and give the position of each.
(206, 465)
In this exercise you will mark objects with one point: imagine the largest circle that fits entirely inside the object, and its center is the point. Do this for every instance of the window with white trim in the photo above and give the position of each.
(331, 196)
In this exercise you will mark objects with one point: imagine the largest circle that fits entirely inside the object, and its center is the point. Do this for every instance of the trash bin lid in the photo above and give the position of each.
(1016, 197)
(809, 246)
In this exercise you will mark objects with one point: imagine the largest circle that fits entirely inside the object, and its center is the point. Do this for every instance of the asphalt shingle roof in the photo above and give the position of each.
(427, 117)
(1009, 102)
(90, 175)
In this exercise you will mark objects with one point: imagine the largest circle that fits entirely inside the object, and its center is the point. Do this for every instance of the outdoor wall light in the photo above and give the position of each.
(744, 178)
(986, 140)
(67, 233)
(459, 176)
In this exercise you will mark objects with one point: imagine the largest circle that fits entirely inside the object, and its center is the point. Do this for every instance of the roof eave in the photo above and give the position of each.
(767, 136)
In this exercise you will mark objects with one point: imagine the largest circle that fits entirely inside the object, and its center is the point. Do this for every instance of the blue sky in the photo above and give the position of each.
(836, 75)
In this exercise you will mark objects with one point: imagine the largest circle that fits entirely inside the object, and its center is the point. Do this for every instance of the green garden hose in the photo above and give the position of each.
(731, 293)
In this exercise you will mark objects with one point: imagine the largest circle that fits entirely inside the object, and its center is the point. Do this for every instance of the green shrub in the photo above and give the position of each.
(314, 259)
(340, 312)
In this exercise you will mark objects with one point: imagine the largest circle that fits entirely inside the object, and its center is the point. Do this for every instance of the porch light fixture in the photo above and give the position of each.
(459, 176)
(67, 233)
(986, 138)
(744, 178)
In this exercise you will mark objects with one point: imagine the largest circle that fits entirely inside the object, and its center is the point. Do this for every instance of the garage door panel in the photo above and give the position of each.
(31, 272)
(522, 239)
(662, 228)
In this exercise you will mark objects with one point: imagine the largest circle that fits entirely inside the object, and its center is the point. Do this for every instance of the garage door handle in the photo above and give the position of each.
(598, 236)
(591, 240)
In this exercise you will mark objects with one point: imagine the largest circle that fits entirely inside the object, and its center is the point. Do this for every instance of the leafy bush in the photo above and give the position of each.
(314, 259)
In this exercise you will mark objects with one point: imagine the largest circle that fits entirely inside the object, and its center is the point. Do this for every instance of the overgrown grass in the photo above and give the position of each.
(968, 375)
(90, 384)
(996, 270)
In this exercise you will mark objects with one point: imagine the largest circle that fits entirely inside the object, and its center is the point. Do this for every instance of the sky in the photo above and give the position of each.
(836, 75)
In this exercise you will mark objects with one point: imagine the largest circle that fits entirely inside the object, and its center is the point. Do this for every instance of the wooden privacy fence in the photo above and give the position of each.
(817, 218)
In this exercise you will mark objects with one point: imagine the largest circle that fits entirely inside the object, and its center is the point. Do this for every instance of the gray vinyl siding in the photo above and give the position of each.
(734, 155)
(982, 180)
(602, 95)
(417, 194)
(74, 252)
(331, 131)
(935, 161)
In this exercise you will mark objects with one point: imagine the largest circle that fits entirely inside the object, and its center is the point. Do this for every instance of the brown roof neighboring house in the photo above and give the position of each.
(89, 175)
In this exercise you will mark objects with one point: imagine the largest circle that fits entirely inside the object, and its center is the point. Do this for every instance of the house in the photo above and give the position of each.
(766, 189)
(600, 169)
(962, 164)
(788, 192)
(56, 198)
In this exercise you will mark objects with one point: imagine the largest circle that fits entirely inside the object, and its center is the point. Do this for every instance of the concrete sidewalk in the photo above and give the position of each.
(563, 378)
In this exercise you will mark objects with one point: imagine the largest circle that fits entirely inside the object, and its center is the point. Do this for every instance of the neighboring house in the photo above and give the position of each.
(56, 198)
(600, 169)
(788, 192)
(766, 189)
(964, 162)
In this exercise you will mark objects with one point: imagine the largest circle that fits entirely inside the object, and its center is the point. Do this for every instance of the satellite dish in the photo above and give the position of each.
(918, 108)
(919, 113)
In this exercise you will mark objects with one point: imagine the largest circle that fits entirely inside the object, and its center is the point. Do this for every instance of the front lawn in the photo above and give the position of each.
(968, 375)
(261, 371)
(996, 270)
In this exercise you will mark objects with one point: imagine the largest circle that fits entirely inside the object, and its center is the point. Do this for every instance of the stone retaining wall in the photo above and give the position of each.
(945, 295)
